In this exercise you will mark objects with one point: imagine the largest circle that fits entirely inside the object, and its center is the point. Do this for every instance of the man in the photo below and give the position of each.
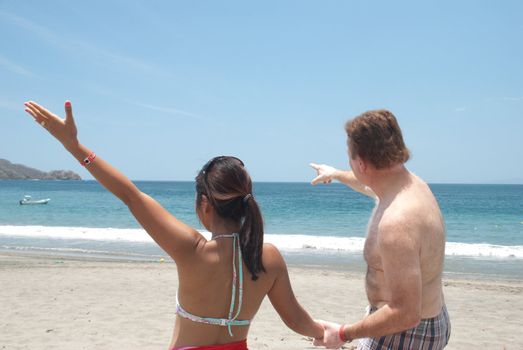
(405, 244)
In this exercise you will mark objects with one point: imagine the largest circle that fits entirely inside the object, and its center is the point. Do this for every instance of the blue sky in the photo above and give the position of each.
(159, 87)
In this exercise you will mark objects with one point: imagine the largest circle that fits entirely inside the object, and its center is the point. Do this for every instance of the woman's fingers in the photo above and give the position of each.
(36, 114)
(44, 112)
(36, 111)
(31, 113)
(44, 115)
(33, 110)
(68, 112)
(63, 130)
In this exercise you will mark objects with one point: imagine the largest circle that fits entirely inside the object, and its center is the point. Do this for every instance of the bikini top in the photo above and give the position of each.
(232, 319)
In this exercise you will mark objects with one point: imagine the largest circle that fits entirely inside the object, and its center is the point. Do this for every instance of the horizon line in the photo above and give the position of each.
(280, 181)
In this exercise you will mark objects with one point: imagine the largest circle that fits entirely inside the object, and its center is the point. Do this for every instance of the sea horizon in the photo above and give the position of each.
(515, 183)
(319, 224)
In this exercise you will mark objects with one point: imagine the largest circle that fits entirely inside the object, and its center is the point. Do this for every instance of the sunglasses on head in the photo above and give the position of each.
(208, 166)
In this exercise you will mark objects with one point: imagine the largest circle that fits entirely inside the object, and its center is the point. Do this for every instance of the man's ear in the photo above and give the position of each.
(362, 165)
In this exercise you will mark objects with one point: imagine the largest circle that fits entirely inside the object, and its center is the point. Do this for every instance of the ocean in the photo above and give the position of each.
(322, 224)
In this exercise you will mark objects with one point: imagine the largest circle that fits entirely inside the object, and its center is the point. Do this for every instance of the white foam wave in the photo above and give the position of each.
(285, 242)
(316, 244)
(88, 233)
(79, 251)
(483, 250)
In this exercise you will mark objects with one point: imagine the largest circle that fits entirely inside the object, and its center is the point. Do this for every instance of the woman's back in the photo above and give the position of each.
(225, 206)
(205, 290)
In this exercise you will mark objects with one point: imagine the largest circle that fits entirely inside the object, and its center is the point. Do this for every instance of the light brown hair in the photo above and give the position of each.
(375, 137)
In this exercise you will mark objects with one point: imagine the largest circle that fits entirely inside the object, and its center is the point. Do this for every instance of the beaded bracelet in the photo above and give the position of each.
(341, 334)
(89, 159)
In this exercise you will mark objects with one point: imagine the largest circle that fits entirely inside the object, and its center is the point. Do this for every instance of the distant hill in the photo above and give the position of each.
(10, 171)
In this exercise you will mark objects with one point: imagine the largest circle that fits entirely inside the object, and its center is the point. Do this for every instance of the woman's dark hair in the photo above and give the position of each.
(228, 187)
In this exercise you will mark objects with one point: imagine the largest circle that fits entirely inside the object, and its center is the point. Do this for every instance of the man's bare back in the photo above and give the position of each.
(415, 215)
(405, 244)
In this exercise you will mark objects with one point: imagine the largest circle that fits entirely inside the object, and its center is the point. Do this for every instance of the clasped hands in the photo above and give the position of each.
(331, 335)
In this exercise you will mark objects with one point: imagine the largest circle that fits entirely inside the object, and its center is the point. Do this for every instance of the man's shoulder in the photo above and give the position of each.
(411, 204)
(395, 221)
(402, 220)
(402, 211)
(396, 234)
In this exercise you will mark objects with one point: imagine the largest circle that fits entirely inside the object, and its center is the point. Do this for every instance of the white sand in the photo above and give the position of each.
(54, 303)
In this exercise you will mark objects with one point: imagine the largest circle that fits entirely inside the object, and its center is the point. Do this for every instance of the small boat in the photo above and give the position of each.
(28, 200)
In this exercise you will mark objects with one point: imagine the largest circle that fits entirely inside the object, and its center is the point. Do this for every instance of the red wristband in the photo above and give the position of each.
(89, 159)
(341, 334)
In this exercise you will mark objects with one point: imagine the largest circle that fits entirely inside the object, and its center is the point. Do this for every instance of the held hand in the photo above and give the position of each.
(325, 173)
(64, 130)
(331, 338)
(320, 327)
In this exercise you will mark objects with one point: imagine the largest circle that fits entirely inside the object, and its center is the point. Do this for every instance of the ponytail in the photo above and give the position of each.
(225, 182)
(251, 236)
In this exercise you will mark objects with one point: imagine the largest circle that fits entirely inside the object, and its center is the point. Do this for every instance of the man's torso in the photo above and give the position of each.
(417, 204)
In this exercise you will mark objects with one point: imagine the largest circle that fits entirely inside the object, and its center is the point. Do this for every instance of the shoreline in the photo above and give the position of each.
(456, 267)
(63, 302)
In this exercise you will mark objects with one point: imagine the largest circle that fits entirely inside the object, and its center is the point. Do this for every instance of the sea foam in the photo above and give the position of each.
(307, 244)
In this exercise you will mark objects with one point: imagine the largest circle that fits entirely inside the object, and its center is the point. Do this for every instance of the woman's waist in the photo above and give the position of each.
(237, 345)
(189, 333)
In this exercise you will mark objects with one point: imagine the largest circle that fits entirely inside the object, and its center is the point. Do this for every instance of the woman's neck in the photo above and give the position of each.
(223, 227)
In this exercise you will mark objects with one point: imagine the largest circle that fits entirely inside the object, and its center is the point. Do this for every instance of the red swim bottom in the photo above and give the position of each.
(241, 345)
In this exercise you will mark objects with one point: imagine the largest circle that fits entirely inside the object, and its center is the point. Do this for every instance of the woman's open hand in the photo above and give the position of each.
(64, 130)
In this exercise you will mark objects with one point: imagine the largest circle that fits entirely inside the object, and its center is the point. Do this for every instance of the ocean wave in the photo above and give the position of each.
(85, 233)
(77, 251)
(298, 243)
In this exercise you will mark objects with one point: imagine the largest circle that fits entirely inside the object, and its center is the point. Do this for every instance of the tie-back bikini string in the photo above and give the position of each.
(236, 246)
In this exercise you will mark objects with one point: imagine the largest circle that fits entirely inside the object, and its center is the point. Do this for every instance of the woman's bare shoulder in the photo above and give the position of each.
(272, 259)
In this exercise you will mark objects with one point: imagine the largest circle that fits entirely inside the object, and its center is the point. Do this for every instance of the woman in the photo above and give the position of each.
(223, 281)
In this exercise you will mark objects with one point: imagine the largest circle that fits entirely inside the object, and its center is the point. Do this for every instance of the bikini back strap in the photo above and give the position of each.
(236, 246)
(208, 320)
(237, 278)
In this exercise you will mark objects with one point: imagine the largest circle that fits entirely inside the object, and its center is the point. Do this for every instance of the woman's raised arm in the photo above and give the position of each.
(176, 238)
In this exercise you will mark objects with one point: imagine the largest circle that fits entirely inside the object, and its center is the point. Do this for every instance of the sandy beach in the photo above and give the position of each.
(66, 303)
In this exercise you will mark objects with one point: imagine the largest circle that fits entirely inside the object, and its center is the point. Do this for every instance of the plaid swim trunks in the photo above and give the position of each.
(430, 334)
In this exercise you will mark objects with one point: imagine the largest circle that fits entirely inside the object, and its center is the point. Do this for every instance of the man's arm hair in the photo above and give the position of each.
(348, 178)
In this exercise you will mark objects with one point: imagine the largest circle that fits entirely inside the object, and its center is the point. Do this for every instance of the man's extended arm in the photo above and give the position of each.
(326, 174)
